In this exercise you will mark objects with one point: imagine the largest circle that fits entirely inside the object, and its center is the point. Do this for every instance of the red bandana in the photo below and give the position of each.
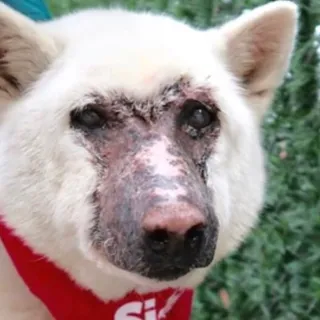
(67, 301)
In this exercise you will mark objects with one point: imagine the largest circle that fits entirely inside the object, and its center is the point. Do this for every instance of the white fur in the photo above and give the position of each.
(46, 178)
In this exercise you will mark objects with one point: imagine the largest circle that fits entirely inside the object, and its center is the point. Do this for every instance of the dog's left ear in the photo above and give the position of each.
(258, 47)
(25, 52)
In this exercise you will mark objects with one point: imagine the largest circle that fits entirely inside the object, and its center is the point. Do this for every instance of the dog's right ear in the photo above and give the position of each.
(25, 51)
(258, 46)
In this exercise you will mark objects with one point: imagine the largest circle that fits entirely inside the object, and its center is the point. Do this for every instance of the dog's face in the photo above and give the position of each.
(132, 140)
(153, 210)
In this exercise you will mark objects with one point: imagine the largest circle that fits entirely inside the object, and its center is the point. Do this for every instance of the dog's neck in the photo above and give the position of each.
(94, 274)
(61, 294)
(87, 276)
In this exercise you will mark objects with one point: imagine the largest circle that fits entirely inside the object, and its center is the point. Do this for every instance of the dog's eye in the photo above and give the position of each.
(199, 118)
(87, 118)
(196, 115)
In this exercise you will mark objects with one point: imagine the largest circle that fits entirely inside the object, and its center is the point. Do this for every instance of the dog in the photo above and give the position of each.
(130, 150)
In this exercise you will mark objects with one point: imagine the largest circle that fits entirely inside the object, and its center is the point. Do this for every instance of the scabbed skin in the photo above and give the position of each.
(153, 166)
(85, 198)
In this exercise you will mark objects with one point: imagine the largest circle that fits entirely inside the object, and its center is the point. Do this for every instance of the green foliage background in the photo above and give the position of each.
(276, 273)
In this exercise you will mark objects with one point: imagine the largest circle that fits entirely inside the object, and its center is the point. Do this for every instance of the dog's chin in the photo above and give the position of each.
(190, 279)
(173, 279)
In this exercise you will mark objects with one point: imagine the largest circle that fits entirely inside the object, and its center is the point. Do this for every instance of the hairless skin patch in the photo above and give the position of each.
(149, 158)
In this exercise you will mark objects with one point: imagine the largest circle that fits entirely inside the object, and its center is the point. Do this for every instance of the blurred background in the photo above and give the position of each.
(276, 273)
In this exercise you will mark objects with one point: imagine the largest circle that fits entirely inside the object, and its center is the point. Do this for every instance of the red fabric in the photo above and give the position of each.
(67, 301)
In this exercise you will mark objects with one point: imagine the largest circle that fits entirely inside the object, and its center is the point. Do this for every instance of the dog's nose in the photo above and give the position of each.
(175, 230)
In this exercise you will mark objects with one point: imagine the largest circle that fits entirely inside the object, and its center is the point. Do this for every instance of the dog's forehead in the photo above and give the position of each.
(136, 67)
(137, 52)
(138, 72)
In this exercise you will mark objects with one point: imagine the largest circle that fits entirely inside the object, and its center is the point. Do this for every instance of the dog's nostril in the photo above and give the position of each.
(161, 241)
(158, 240)
(174, 231)
(194, 236)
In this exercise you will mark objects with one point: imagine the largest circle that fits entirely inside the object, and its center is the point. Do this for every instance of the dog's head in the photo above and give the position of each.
(132, 140)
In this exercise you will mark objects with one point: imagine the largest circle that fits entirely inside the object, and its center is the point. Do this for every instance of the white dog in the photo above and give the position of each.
(130, 153)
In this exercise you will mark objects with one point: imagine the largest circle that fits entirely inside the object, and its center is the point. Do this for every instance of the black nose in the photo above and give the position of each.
(175, 240)
(172, 255)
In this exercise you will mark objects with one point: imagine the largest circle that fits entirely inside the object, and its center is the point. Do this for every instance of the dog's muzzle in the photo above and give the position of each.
(162, 224)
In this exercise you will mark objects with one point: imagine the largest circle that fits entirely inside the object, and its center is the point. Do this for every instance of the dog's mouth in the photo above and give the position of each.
(159, 256)
(132, 263)
(170, 273)
(161, 271)
(142, 265)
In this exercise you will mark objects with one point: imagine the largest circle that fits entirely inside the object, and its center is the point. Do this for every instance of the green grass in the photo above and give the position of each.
(276, 273)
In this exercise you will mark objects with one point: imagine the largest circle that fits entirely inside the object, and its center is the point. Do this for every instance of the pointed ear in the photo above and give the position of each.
(258, 48)
(25, 51)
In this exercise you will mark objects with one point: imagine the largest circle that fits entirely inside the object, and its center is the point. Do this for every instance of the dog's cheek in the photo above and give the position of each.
(219, 184)
(74, 210)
